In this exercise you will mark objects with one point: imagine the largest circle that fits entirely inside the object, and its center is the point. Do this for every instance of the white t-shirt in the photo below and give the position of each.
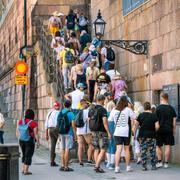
(85, 129)
(2, 121)
(121, 123)
(51, 119)
(76, 95)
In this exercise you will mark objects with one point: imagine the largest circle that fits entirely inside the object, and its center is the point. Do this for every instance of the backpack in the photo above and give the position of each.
(68, 58)
(24, 131)
(110, 54)
(79, 121)
(70, 21)
(63, 123)
(94, 122)
(54, 21)
(2, 121)
(82, 21)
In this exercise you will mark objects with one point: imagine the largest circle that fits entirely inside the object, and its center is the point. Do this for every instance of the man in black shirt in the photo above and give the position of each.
(148, 123)
(165, 136)
(100, 131)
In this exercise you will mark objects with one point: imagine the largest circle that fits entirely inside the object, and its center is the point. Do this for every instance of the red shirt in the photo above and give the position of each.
(32, 125)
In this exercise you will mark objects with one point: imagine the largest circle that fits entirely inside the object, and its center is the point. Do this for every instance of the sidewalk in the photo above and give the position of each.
(42, 171)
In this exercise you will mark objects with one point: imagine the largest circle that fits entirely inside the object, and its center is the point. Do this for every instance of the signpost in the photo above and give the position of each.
(21, 80)
(21, 69)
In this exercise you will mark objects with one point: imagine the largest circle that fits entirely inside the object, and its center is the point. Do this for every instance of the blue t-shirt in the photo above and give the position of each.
(71, 118)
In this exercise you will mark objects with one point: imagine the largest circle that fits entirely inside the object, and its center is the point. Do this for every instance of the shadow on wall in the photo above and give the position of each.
(3, 107)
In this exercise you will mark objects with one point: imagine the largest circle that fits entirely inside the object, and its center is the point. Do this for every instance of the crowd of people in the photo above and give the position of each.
(97, 112)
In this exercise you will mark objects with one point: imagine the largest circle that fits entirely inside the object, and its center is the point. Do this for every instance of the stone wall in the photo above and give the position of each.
(11, 39)
(159, 22)
(40, 94)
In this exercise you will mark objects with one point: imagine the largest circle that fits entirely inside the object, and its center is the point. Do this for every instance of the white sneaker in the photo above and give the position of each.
(117, 169)
(107, 165)
(159, 165)
(166, 165)
(129, 169)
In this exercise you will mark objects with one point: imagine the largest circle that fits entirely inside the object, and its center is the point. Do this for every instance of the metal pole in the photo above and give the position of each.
(25, 44)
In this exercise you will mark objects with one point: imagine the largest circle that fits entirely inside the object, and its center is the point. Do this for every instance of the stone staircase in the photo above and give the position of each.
(53, 75)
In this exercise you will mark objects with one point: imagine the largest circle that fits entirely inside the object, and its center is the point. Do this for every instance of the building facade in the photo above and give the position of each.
(157, 21)
(40, 93)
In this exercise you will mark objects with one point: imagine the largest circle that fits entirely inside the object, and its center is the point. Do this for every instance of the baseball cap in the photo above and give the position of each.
(100, 97)
(56, 104)
(108, 94)
(80, 85)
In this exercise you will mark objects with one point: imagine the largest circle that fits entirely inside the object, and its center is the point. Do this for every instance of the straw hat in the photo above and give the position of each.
(86, 98)
(55, 13)
(60, 14)
(117, 76)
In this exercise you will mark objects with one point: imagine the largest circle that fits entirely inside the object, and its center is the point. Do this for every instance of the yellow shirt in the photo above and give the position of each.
(62, 55)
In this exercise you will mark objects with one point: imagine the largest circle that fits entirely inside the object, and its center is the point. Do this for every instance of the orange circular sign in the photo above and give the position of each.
(21, 68)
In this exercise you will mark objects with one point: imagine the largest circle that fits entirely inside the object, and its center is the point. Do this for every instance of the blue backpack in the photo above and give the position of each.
(24, 131)
(63, 123)
(68, 58)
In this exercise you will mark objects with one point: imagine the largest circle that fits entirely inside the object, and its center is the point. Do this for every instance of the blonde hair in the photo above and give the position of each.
(110, 106)
(138, 107)
(79, 67)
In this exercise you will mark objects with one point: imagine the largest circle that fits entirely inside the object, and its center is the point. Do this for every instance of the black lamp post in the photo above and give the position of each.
(139, 47)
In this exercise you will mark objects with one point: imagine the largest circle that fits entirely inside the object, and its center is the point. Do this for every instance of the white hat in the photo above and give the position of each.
(92, 48)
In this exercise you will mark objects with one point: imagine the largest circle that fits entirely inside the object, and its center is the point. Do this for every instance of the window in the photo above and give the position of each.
(10, 45)
(4, 48)
(157, 63)
(16, 36)
(129, 5)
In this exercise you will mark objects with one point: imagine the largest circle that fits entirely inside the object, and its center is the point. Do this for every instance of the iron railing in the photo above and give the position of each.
(50, 64)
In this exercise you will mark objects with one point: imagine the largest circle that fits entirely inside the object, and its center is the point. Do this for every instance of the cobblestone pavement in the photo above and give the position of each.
(42, 171)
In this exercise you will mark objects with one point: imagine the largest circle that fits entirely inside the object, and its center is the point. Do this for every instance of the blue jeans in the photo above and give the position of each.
(1, 137)
(111, 143)
(66, 74)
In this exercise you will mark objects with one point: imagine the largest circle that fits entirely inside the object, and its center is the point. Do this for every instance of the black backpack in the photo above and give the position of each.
(70, 21)
(110, 54)
(94, 122)
(79, 121)
(63, 123)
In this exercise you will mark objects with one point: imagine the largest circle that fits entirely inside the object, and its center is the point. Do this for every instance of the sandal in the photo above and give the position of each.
(61, 168)
(27, 173)
(99, 170)
(68, 169)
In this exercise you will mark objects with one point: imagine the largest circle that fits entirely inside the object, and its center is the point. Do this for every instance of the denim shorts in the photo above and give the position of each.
(66, 142)
(100, 140)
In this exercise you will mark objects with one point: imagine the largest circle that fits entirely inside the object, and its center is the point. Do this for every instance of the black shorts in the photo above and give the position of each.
(165, 139)
(122, 140)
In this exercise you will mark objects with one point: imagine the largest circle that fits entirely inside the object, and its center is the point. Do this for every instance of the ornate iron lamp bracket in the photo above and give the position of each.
(139, 47)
